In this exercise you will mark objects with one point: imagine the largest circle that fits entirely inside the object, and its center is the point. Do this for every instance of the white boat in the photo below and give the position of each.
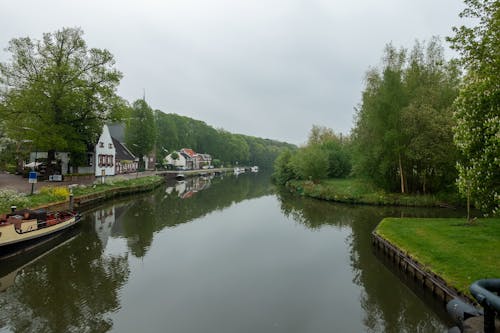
(254, 169)
(25, 225)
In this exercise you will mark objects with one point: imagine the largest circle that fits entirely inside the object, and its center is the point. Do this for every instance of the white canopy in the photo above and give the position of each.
(32, 165)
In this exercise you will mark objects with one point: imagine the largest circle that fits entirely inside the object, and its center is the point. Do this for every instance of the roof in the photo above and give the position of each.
(122, 152)
(117, 131)
(188, 151)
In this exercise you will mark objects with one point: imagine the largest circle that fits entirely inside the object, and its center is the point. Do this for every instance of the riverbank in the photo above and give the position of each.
(357, 191)
(57, 197)
(457, 252)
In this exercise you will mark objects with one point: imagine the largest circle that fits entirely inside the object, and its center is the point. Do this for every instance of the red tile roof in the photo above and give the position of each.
(188, 151)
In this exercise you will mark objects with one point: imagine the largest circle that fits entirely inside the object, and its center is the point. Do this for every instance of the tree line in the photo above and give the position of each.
(57, 93)
(424, 124)
(150, 130)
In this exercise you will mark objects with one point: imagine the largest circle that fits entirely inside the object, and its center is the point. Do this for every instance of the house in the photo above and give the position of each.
(125, 161)
(105, 152)
(178, 163)
(191, 161)
(204, 160)
(188, 159)
(117, 131)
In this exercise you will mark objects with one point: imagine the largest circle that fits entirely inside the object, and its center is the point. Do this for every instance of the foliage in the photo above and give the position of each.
(55, 193)
(310, 163)
(10, 198)
(175, 132)
(444, 246)
(140, 131)
(283, 169)
(403, 134)
(362, 191)
(477, 108)
(325, 155)
(57, 92)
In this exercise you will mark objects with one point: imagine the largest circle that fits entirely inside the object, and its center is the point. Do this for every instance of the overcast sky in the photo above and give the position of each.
(267, 68)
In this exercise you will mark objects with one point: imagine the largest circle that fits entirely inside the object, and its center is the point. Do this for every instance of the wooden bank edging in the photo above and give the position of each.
(89, 199)
(428, 280)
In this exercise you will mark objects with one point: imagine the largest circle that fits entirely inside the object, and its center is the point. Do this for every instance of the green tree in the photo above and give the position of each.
(283, 169)
(59, 89)
(310, 163)
(403, 133)
(477, 108)
(140, 132)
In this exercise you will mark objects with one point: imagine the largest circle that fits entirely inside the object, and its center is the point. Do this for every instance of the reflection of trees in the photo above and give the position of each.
(70, 290)
(150, 213)
(389, 306)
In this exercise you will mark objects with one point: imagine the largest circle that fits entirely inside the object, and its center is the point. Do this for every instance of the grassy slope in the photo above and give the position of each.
(457, 252)
(359, 191)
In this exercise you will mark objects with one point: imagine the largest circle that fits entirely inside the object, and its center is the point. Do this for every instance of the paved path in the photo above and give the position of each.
(20, 184)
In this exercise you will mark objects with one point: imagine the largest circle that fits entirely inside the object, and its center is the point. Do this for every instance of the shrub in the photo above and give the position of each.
(55, 193)
(11, 198)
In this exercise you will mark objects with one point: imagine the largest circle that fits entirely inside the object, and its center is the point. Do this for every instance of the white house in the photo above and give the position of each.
(105, 152)
(180, 162)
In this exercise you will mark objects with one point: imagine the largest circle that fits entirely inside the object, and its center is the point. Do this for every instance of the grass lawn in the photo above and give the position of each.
(352, 190)
(457, 252)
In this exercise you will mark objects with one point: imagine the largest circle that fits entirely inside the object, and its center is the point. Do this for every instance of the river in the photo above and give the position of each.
(216, 255)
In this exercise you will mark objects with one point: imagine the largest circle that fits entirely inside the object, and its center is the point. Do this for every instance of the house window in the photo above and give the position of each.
(101, 144)
(110, 146)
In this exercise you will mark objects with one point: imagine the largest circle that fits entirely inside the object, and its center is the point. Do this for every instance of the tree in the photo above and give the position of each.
(140, 131)
(60, 90)
(310, 163)
(403, 134)
(477, 108)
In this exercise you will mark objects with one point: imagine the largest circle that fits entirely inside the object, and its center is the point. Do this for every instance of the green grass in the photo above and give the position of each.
(98, 188)
(41, 198)
(456, 251)
(352, 190)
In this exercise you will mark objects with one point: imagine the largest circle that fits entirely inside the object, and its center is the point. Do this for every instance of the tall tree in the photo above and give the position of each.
(57, 92)
(403, 133)
(477, 108)
(140, 132)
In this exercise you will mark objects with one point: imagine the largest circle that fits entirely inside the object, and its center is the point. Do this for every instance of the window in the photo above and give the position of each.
(101, 144)
(110, 146)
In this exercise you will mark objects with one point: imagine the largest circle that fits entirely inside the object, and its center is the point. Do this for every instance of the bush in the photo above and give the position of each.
(12, 198)
(55, 193)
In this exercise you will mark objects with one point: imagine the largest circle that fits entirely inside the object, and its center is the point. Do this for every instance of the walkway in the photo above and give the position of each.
(20, 184)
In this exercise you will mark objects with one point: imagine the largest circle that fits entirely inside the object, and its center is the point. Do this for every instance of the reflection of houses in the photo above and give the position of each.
(104, 220)
(187, 188)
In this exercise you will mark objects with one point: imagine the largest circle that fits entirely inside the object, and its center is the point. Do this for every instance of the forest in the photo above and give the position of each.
(153, 130)
(424, 124)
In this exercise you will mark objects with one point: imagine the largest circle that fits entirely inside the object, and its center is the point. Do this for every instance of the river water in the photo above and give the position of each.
(216, 255)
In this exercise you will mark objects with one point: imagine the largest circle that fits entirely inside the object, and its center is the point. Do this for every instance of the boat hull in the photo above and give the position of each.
(9, 235)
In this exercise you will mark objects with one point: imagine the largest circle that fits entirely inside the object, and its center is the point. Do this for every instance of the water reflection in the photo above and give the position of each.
(388, 304)
(215, 255)
(72, 288)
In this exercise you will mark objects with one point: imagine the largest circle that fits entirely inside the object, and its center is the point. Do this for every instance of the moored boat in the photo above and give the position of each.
(24, 225)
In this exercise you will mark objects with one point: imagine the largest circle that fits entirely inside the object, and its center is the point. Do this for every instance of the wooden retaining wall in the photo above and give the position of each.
(416, 271)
